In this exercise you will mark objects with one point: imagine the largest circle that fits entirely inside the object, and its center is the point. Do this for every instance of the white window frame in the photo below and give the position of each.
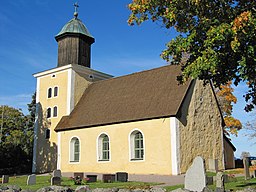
(54, 91)
(49, 92)
(132, 146)
(48, 108)
(56, 111)
(100, 148)
(72, 148)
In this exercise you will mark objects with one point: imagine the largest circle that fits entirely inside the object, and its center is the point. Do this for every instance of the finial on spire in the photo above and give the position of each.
(76, 9)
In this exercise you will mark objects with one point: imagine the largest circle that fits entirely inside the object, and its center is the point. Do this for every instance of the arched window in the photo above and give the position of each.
(74, 150)
(55, 111)
(49, 95)
(103, 148)
(137, 145)
(49, 111)
(55, 92)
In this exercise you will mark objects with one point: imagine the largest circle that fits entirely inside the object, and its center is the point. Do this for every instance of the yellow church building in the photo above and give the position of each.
(142, 124)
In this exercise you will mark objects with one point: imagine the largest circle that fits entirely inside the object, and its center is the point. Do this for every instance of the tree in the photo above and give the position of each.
(218, 36)
(226, 100)
(16, 147)
(251, 128)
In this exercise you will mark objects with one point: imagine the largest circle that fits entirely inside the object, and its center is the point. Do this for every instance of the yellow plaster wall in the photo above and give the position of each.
(157, 149)
(81, 83)
(46, 152)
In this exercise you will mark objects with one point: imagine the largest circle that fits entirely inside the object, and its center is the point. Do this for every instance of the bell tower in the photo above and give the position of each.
(59, 89)
(74, 43)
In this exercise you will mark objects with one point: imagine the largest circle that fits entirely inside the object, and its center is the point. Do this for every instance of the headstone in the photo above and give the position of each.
(31, 179)
(122, 176)
(55, 181)
(5, 179)
(220, 182)
(246, 168)
(209, 180)
(108, 178)
(195, 178)
(213, 165)
(254, 173)
(91, 178)
(56, 173)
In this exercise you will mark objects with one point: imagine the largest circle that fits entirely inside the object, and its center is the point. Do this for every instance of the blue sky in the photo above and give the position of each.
(27, 46)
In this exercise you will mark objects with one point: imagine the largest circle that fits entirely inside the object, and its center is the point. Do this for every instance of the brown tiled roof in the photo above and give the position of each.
(145, 95)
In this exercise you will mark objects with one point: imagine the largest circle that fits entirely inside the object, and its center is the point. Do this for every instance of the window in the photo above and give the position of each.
(47, 134)
(55, 111)
(49, 95)
(48, 115)
(74, 150)
(103, 148)
(137, 145)
(55, 94)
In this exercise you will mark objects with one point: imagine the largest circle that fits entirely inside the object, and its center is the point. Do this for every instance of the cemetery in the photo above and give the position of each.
(195, 179)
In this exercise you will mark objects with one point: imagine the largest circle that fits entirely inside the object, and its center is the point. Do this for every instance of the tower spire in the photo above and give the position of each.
(76, 9)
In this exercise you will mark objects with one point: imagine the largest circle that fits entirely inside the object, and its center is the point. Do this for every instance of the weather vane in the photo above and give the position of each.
(76, 9)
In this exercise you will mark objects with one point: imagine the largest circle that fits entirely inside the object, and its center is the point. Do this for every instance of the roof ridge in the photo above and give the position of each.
(135, 73)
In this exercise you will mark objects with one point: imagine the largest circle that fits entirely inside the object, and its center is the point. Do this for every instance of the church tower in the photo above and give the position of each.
(74, 43)
(59, 90)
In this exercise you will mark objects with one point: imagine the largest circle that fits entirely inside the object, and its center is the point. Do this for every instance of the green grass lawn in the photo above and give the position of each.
(44, 181)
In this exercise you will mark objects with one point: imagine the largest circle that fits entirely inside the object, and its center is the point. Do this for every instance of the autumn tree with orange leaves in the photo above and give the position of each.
(219, 36)
(226, 100)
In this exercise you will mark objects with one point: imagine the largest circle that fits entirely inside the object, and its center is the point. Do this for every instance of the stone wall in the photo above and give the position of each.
(229, 156)
(200, 127)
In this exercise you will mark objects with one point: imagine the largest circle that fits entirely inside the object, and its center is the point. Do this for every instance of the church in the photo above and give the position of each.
(144, 123)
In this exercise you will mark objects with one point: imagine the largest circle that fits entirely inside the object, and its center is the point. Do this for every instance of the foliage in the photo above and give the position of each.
(226, 100)
(245, 154)
(16, 147)
(218, 37)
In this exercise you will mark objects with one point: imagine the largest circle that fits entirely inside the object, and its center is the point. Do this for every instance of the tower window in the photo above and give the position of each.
(55, 111)
(49, 95)
(55, 94)
(49, 111)
(47, 134)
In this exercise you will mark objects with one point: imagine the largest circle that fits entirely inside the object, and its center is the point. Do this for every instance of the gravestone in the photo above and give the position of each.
(213, 165)
(246, 168)
(108, 178)
(254, 173)
(220, 187)
(56, 173)
(122, 176)
(209, 180)
(5, 179)
(195, 178)
(31, 179)
(55, 181)
(91, 178)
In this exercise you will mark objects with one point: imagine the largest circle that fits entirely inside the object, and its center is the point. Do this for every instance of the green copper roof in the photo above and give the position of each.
(75, 25)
